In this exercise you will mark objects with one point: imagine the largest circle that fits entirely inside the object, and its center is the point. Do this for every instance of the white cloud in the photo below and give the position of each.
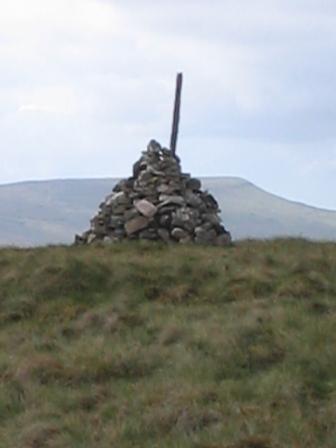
(51, 99)
(85, 83)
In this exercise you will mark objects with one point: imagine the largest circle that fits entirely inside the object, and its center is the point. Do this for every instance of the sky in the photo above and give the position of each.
(85, 84)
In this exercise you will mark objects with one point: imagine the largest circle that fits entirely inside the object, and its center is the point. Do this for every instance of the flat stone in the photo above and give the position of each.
(167, 200)
(116, 199)
(178, 234)
(207, 226)
(164, 189)
(136, 224)
(146, 208)
(167, 209)
(145, 192)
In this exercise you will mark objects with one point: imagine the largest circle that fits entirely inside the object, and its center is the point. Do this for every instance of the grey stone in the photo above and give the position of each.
(166, 209)
(98, 226)
(186, 240)
(193, 200)
(203, 229)
(130, 214)
(179, 234)
(205, 236)
(136, 224)
(164, 189)
(115, 199)
(155, 172)
(108, 200)
(211, 218)
(186, 218)
(119, 209)
(148, 234)
(193, 184)
(153, 147)
(144, 177)
(116, 221)
(122, 185)
(91, 238)
(167, 200)
(164, 235)
(165, 221)
(210, 201)
(207, 226)
(146, 208)
(119, 233)
(80, 239)
(136, 169)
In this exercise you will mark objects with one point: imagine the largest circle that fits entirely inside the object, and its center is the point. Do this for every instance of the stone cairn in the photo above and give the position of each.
(158, 202)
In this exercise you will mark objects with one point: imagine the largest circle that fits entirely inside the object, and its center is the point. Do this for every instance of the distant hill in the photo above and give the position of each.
(51, 212)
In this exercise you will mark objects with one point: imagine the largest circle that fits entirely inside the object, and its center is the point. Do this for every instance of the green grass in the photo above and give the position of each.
(150, 346)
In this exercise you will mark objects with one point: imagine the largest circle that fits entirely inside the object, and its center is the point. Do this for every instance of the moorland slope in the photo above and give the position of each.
(153, 346)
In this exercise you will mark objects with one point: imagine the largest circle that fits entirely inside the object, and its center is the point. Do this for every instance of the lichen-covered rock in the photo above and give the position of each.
(158, 202)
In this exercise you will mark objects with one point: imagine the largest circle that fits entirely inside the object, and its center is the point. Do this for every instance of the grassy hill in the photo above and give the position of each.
(51, 212)
(151, 346)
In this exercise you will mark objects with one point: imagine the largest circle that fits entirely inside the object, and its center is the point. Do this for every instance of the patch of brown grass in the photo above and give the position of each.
(39, 435)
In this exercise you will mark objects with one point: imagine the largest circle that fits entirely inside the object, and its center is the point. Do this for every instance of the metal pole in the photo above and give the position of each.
(176, 117)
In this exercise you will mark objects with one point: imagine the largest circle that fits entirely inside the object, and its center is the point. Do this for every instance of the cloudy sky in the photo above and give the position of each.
(85, 84)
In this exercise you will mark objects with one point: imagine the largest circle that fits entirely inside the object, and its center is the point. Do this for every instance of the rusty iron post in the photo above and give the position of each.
(176, 116)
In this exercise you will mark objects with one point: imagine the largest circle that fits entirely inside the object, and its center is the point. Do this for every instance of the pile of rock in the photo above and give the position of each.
(158, 202)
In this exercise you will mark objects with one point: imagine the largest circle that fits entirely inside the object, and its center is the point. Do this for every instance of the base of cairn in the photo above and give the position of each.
(158, 203)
